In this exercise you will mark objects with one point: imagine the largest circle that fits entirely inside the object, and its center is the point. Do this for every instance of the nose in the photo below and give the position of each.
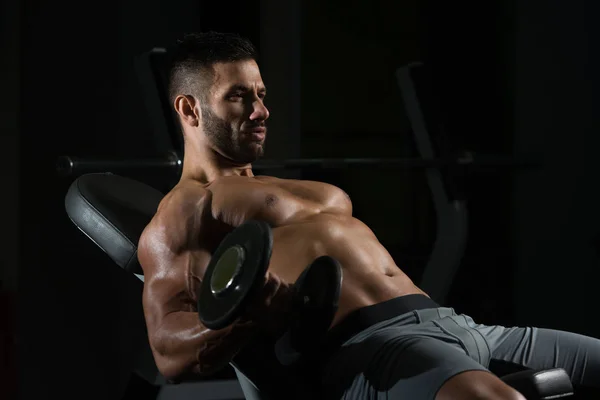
(259, 111)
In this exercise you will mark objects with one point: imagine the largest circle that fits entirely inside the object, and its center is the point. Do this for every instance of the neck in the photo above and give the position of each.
(204, 165)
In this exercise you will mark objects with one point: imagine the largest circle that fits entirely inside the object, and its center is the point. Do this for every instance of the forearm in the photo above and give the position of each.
(182, 345)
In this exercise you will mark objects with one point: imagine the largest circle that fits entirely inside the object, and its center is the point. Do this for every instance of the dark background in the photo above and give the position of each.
(513, 77)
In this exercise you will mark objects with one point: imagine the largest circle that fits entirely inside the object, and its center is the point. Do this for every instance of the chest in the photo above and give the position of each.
(277, 201)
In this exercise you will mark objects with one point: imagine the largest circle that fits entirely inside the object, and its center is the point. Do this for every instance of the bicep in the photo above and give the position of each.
(172, 287)
(173, 256)
(161, 297)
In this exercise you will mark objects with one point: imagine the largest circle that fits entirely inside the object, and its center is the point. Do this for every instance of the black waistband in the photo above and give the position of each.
(365, 317)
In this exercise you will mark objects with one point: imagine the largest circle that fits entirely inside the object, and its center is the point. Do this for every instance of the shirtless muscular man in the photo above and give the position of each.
(414, 347)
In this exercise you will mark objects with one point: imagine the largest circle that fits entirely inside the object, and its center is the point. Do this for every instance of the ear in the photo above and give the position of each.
(187, 108)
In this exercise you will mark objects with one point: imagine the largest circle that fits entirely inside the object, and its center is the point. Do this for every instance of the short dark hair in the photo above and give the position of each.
(192, 58)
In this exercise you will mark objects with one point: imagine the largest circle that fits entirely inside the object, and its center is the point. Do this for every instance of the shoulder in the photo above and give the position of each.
(185, 196)
(173, 227)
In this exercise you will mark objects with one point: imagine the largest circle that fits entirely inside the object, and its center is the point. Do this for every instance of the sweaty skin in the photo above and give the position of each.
(309, 219)
(224, 130)
(217, 192)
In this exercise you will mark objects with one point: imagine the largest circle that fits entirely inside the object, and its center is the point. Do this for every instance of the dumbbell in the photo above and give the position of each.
(236, 273)
(315, 304)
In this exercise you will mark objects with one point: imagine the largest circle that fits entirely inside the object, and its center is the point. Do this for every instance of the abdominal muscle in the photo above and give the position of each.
(370, 275)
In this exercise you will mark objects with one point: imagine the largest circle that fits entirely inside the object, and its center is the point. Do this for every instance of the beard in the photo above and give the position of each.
(227, 140)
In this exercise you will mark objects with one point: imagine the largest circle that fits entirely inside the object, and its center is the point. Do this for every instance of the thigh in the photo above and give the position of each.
(392, 365)
(538, 348)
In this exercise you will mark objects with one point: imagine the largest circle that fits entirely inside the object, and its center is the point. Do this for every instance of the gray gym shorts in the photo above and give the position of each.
(409, 356)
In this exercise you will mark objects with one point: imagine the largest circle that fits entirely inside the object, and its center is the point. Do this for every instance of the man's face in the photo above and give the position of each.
(234, 115)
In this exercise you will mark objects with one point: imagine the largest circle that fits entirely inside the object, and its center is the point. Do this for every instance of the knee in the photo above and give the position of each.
(477, 385)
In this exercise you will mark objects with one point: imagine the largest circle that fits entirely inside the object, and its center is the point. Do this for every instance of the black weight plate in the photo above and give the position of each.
(318, 291)
(320, 284)
(219, 311)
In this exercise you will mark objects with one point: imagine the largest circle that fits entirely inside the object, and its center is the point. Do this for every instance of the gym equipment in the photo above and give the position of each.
(235, 272)
(112, 211)
(317, 298)
(543, 385)
(448, 200)
(75, 166)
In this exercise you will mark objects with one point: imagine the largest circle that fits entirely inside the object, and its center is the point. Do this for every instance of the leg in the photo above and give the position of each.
(477, 385)
(537, 348)
(421, 362)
